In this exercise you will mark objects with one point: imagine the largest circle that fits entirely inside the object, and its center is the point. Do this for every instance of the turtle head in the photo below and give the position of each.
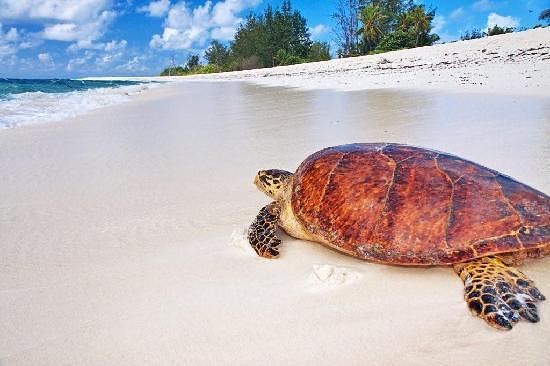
(272, 182)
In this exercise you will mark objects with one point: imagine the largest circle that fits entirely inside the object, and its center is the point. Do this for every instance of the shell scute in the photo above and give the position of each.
(479, 211)
(532, 237)
(355, 196)
(503, 243)
(417, 208)
(406, 205)
(529, 205)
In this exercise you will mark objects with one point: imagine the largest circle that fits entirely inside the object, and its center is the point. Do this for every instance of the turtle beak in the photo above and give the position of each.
(258, 182)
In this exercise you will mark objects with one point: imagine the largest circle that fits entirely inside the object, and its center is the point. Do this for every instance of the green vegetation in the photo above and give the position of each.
(473, 34)
(192, 66)
(280, 36)
(277, 37)
(495, 30)
(383, 25)
(395, 41)
(217, 55)
(319, 51)
(374, 21)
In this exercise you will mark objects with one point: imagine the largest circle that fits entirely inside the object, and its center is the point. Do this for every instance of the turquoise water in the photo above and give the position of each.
(29, 101)
(10, 87)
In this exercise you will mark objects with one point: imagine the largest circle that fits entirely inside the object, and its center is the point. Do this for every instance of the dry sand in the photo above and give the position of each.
(515, 63)
(121, 234)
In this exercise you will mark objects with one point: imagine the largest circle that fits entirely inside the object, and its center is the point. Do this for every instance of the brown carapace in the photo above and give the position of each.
(404, 205)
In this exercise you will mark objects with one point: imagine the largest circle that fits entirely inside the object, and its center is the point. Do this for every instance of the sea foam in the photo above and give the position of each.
(39, 107)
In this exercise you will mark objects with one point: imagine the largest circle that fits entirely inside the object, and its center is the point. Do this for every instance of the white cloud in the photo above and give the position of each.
(12, 35)
(186, 28)
(92, 45)
(318, 30)
(59, 10)
(101, 46)
(225, 20)
(155, 8)
(225, 12)
(114, 45)
(60, 32)
(7, 42)
(484, 5)
(113, 51)
(88, 31)
(82, 21)
(457, 13)
(46, 59)
(223, 33)
(79, 61)
(438, 23)
(6, 50)
(133, 65)
(502, 21)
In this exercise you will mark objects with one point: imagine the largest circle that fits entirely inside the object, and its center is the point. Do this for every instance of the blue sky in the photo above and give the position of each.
(73, 38)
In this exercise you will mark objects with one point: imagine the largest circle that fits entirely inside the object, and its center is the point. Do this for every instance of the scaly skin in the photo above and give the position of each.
(403, 205)
(261, 233)
(498, 293)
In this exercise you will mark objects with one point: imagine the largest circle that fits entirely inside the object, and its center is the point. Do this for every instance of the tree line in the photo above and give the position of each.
(376, 26)
(280, 36)
(276, 37)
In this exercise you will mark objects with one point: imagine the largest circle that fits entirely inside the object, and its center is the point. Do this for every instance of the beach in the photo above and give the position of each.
(122, 233)
(123, 213)
(508, 64)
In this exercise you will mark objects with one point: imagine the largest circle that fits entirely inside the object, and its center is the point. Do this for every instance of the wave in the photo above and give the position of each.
(9, 87)
(30, 107)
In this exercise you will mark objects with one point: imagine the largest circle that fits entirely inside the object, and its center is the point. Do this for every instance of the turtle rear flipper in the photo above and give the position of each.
(498, 293)
(261, 233)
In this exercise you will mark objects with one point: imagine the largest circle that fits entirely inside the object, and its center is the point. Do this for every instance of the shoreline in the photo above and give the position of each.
(38, 107)
(509, 64)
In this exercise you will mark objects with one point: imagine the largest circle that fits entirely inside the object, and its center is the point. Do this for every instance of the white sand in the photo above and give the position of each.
(515, 63)
(511, 63)
(121, 234)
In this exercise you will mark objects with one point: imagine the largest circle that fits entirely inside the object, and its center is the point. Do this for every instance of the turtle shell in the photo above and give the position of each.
(406, 205)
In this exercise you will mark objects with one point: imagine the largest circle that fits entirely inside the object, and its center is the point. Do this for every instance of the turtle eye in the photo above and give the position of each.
(264, 178)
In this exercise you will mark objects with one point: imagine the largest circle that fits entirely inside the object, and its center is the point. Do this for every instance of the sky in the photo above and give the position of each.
(75, 38)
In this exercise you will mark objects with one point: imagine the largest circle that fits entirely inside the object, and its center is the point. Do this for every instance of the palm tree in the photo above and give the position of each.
(373, 20)
(420, 21)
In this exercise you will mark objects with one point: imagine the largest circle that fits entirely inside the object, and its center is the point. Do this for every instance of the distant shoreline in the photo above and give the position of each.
(515, 63)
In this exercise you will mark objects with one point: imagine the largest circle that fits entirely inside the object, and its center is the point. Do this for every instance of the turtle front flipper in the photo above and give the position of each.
(498, 293)
(261, 234)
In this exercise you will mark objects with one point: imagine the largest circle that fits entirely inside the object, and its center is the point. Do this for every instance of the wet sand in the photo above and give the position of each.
(121, 233)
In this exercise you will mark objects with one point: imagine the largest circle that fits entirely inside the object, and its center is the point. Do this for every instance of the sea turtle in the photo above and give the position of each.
(405, 205)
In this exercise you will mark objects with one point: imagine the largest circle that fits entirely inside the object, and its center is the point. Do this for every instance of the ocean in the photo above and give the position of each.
(29, 101)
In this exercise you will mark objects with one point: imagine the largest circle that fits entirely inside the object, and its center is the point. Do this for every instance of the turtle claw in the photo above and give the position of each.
(530, 315)
(500, 294)
(500, 322)
(271, 253)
